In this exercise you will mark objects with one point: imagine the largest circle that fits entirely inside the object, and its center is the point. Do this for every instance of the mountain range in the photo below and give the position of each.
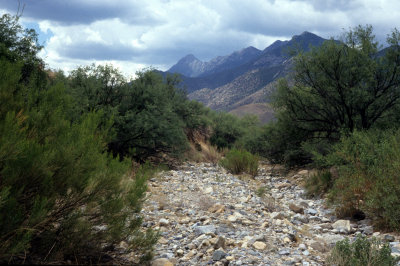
(242, 82)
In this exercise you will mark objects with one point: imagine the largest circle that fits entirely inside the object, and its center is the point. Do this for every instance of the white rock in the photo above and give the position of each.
(209, 190)
(164, 222)
(259, 245)
(342, 226)
(232, 218)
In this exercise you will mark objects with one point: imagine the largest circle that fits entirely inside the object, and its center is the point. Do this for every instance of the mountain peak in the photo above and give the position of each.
(189, 58)
(189, 66)
(306, 35)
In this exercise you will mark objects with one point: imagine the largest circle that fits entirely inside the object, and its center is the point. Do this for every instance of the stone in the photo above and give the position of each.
(296, 208)
(312, 211)
(167, 255)
(217, 208)
(190, 255)
(162, 262)
(332, 239)
(179, 252)
(163, 241)
(163, 222)
(303, 172)
(123, 245)
(205, 229)
(220, 243)
(218, 255)
(261, 238)
(389, 238)
(184, 220)
(264, 224)
(300, 218)
(368, 230)
(284, 252)
(205, 243)
(343, 226)
(259, 245)
(319, 246)
(209, 190)
(280, 233)
(232, 218)
(302, 246)
(277, 215)
(282, 185)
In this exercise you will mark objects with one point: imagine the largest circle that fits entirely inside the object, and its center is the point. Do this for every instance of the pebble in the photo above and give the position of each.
(259, 245)
(206, 229)
(162, 262)
(210, 217)
(218, 255)
(163, 222)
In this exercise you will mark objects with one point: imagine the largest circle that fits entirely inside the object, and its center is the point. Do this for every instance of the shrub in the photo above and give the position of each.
(240, 161)
(319, 183)
(261, 191)
(361, 252)
(368, 176)
(279, 143)
(61, 195)
(226, 130)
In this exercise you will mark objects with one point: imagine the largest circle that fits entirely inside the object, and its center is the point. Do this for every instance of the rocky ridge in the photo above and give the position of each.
(207, 216)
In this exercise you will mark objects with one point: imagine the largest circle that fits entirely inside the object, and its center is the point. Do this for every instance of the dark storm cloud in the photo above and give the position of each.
(79, 12)
(328, 5)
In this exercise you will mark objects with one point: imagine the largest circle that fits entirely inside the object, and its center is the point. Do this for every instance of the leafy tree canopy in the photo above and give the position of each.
(343, 86)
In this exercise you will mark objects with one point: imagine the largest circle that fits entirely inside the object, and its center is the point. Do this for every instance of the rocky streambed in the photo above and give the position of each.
(207, 216)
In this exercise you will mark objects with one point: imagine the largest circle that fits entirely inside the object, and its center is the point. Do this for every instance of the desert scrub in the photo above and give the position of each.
(361, 251)
(261, 191)
(369, 180)
(319, 183)
(240, 161)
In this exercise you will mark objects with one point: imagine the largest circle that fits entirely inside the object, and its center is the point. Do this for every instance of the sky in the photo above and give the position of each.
(137, 34)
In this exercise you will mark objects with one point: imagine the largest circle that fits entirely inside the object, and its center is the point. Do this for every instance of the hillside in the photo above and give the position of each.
(231, 82)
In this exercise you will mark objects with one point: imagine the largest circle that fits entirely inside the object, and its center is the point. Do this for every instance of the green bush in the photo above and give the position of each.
(261, 191)
(62, 197)
(369, 180)
(361, 252)
(226, 130)
(319, 183)
(240, 161)
(57, 185)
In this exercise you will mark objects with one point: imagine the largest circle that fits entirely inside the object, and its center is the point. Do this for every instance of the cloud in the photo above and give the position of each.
(69, 12)
(140, 33)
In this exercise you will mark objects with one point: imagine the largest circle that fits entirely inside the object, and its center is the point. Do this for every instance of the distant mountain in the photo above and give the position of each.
(190, 66)
(242, 81)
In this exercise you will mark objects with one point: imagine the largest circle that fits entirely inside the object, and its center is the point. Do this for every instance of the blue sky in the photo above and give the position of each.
(135, 34)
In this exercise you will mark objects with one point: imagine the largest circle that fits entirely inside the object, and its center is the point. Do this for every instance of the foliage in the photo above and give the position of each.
(150, 115)
(240, 161)
(361, 251)
(226, 130)
(342, 86)
(61, 195)
(368, 164)
(231, 131)
(261, 191)
(19, 45)
(319, 183)
(279, 143)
